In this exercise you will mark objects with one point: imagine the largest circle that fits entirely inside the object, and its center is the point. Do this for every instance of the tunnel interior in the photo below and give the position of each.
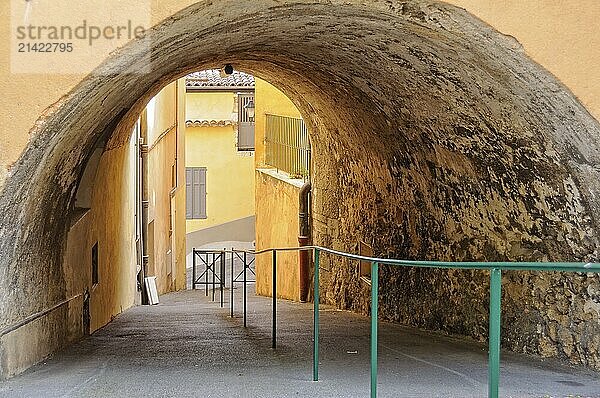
(435, 138)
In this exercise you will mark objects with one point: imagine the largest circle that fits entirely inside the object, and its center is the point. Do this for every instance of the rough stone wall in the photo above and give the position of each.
(481, 167)
(434, 136)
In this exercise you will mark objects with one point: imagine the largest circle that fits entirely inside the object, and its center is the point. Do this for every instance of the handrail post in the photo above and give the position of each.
(222, 277)
(274, 342)
(232, 282)
(494, 332)
(374, 319)
(214, 269)
(206, 275)
(316, 318)
(245, 292)
(194, 268)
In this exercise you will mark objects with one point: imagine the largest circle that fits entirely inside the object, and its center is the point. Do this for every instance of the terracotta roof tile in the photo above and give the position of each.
(209, 123)
(212, 78)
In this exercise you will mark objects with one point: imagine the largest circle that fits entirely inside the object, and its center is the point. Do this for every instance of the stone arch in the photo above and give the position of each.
(435, 136)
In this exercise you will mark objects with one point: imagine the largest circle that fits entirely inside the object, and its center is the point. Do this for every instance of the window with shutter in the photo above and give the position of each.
(245, 124)
(189, 197)
(195, 184)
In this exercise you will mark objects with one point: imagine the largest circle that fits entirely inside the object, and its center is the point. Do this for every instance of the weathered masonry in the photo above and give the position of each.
(435, 137)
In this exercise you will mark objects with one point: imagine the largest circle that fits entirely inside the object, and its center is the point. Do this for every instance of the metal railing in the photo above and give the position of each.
(495, 269)
(246, 268)
(208, 269)
(287, 145)
(33, 317)
(213, 262)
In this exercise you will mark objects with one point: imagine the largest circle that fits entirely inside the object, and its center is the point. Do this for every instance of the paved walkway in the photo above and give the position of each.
(187, 346)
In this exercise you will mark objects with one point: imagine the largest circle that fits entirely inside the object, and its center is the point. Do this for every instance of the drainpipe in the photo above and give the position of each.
(139, 225)
(144, 171)
(304, 239)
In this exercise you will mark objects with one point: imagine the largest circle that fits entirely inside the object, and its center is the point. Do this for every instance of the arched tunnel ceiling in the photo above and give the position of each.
(427, 107)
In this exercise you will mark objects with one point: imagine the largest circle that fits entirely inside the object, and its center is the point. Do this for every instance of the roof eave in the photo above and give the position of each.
(219, 88)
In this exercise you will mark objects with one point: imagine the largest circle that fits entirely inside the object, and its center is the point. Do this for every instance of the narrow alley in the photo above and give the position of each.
(426, 172)
(189, 346)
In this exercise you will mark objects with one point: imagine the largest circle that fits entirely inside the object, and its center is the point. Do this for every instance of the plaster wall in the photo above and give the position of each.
(161, 114)
(229, 172)
(207, 105)
(37, 340)
(38, 93)
(560, 35)
(277, 226)
(269, 100)
(112, 225)
(166, 189)
(276, 202)
(110, 222)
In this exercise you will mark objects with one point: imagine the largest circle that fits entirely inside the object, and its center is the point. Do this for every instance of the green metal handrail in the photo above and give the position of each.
(495, 269)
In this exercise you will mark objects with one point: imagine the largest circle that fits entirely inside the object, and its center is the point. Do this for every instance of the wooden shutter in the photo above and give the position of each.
(195, 186)
(202, 192)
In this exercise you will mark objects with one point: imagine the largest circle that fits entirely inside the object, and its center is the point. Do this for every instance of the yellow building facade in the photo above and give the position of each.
(276, 201)
(104, 238)
(216, 154)
(163, 121)
(104, 241)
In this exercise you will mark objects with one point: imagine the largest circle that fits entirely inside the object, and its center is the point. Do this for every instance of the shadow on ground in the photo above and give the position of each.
(189, 346)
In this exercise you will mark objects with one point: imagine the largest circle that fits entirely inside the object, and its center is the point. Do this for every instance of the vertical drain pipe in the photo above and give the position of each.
(145, 202)
(304, 239)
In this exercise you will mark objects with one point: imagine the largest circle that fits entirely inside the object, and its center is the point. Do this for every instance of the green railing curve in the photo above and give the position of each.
(495, 269)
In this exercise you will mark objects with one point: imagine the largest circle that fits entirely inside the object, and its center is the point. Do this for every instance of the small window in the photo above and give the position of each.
(173, 176)
(245, 139)
(95, 279)
(195, 185)
(365, 266)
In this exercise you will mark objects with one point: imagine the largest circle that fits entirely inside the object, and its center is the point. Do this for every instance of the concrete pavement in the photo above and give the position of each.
(187, 346)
